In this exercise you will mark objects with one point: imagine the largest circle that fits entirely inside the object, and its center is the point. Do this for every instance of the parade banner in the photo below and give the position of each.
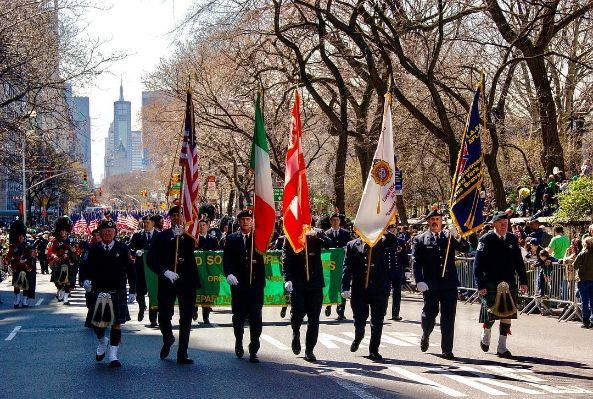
(216, 291)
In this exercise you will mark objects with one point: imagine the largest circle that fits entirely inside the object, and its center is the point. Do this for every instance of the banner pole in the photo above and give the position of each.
(366, 284)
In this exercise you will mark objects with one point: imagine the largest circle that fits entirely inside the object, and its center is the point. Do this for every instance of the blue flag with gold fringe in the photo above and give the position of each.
(466, 204)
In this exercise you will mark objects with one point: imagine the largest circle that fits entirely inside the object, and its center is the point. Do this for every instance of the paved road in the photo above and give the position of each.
(45, 352)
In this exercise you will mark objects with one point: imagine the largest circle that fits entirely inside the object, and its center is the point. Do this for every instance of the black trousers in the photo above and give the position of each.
(364, 303)
(306, 302)
(43, 265)
(341, 307)
(396, 297)
(152, 313)
(446, 300)
(186, 296)
(247, 301)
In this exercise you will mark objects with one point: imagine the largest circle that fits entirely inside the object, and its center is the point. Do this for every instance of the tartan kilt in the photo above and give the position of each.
(120, 305)
(489, 300)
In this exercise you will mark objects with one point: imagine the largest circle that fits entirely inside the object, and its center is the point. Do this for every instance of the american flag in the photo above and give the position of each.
(167, 223)
(188, 160)
(93, 224)
(80, 227)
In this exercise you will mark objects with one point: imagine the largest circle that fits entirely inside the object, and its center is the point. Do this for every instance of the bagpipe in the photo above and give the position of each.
(21, 261)
(60, 256)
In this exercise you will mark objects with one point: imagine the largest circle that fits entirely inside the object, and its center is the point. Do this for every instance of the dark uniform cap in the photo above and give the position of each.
(95, 231)
(534, 241)
(499, 216)
(176, 209)
(107, 224)
(392, 226)
(245, 213)
(335, 215)
(146, 217)
(156, 218)
(434, 212)
(204, 218)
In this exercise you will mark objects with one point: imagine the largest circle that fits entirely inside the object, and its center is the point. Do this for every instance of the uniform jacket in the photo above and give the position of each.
(161, 258)
(355, 266)
(428, 257)
(341, 240)
(109, 270)
(236, 261)
(294, 266)
(397, 260)
(207, 243)
(498, 260)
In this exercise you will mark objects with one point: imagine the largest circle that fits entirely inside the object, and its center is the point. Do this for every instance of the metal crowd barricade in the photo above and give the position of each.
(467, 285)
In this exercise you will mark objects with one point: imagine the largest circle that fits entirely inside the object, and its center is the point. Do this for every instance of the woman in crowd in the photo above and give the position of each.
(583, 265)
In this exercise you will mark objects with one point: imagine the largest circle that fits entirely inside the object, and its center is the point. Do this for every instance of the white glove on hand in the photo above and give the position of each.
(139, 252)
(178, 230)
(288, 286)
(131, 298)
(346, 294)
(422, 286)
(232, 280)
(453, 232)
(172, 276)
(87, 285)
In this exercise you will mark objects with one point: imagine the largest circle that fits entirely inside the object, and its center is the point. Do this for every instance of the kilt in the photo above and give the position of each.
(120, 305)
(489, 300)
(31, 280)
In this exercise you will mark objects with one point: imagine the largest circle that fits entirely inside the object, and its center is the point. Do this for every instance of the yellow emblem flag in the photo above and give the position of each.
(377, 205)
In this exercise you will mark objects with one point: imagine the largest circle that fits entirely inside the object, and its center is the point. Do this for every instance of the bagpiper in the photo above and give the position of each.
(497, 265)
(107, 269)
(62, 258)
(21, 259)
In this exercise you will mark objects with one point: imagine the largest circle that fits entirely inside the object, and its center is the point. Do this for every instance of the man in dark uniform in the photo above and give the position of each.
(338, 238)
(498, 259)
(365, 280)
(41, 246)
(397, 261)
(139, 244)
(178, 279)
(106, 270)
(205, 242)
(246, 274)
(429, 251)
(303, 280)
(158, 222)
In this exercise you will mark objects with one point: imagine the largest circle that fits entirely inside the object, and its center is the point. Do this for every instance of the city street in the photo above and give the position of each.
(46, 352)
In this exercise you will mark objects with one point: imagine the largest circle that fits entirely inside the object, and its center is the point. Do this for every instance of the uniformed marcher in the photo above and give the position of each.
(178, 279)
(21, 259)
(365, 280)
(63, 259)
(205, 242)
(338, 238)
(397, 260)
(304, 282)
(245, 272)
(497, 265)
(429, 251)
(139, 246)
(106, 270)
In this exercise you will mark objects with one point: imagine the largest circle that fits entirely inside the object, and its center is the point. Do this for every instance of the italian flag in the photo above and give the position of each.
(264, 215)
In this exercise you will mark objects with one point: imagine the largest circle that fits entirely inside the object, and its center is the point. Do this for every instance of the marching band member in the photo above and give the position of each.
(21, 259)
(62, 258)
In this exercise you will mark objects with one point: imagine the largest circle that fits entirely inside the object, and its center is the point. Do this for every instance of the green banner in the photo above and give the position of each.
(216, 291)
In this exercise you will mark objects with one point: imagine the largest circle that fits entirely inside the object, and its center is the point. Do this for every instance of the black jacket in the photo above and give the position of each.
(341, 240)
(397, 260)
(354, 273)
(294, 267)
(109, 270)
(207, 243)
(161, 258)
(428, 257)
(236, 261)
(498, 260)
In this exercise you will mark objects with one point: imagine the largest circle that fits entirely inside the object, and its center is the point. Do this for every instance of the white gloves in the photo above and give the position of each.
(453, 232)
(131, 298)
(172, 276)
(178, 230)
(87, 285)
(422, 286)
(139, 252)
(232, 280)
(288, 286)
(346, 294)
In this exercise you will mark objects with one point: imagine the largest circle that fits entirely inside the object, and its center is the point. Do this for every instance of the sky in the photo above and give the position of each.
(141, 29)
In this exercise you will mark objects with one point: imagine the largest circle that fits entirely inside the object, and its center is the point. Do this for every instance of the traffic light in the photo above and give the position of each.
(85, 179)
(100, 192)
(175, 179)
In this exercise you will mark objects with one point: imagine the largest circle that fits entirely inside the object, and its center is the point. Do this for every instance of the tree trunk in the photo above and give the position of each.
(340, 171)
(552, 153)
(229, 207)
(497, 183)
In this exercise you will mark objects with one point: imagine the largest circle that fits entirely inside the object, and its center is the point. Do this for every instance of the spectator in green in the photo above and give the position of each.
(559, 243)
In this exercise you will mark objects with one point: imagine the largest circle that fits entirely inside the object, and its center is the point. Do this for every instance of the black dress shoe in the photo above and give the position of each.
(114, 364)
(375, 356)
(194, 315)
(239, 350)
(184, 360)
(396, 318)
(448, 356)
(484, 347)
(296, 344)
(283, 312)
(505, 355)
(141, 313)
(587, 326)
(25, 305)
(355, 345)
(153, 324)
(206, 320)
(253, 358)
(166, 348)
(328, 311)
(424, 343)
(310, 357)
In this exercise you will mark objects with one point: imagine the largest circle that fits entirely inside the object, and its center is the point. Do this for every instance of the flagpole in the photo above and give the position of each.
(366, 284)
